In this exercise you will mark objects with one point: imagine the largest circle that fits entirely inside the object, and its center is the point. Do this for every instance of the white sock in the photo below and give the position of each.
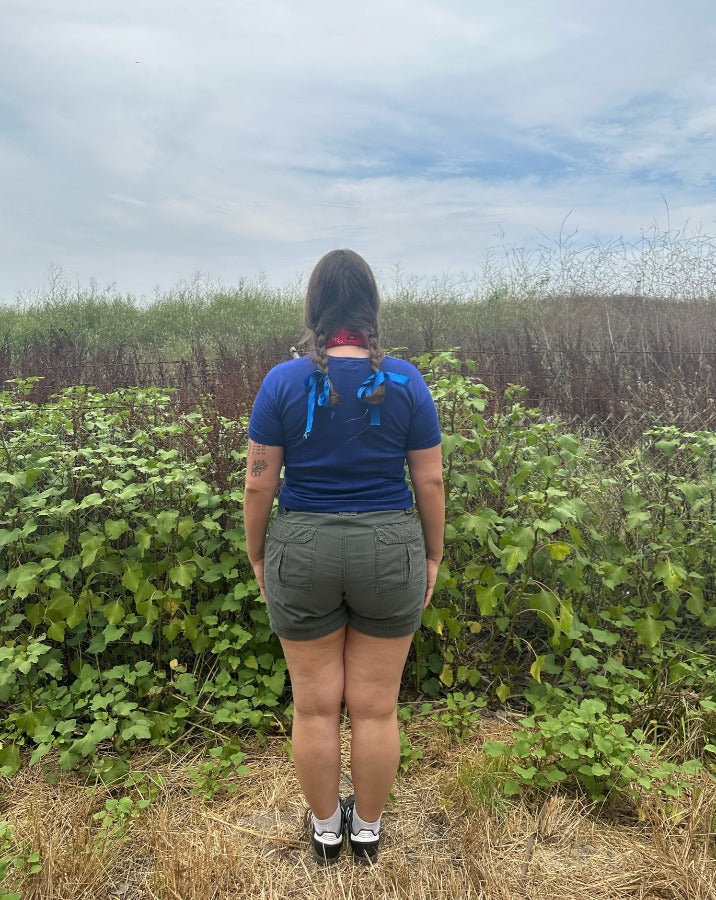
(359, 825)
(328, 830)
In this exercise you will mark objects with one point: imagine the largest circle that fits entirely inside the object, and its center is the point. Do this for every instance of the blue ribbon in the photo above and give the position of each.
(319, 392)
(372, 383)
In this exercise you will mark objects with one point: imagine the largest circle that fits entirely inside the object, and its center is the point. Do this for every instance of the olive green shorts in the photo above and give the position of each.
(327, 570)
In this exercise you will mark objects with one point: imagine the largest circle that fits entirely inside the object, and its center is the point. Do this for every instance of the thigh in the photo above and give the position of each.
(373, 671)
(316, 670)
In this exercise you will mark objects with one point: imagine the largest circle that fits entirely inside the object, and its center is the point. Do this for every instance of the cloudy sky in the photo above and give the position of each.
(142, 142)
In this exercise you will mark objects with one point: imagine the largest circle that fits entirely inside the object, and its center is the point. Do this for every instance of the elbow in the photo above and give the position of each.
(263, 490)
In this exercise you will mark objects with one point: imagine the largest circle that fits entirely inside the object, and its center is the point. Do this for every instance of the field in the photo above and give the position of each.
(558, 708)
(449, 833)
(602, 332)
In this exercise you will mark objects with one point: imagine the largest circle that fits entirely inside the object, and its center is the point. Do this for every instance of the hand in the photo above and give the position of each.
(258, 568)
(433, 566)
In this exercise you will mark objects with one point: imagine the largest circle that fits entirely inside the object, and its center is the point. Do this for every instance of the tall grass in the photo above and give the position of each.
(595, 332)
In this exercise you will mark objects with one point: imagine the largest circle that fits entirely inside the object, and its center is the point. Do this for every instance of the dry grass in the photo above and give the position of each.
(447, 834)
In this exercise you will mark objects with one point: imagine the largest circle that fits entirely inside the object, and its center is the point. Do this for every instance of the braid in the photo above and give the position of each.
(376, 358)
(322, 363)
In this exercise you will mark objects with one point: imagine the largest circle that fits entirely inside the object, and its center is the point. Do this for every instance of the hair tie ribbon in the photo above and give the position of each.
(372, 383)
(319, 392)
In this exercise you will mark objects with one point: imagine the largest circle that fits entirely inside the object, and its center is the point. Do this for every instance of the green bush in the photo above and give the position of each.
(128, 610)
(574, 571)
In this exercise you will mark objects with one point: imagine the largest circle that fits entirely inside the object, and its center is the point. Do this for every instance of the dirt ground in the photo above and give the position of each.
(447, 833)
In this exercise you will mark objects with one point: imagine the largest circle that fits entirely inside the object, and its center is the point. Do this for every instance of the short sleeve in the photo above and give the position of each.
(265, 425)
(424, 429)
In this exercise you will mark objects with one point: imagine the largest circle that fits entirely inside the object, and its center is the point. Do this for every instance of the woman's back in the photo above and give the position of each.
(345, 463)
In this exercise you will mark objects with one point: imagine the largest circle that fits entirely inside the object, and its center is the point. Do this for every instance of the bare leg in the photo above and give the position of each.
(373, 670)
(316, 670)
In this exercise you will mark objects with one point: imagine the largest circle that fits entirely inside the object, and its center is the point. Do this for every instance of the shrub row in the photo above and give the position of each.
(128, 611)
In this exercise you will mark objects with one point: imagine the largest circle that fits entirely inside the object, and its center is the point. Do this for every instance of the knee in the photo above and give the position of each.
(365, 707)
(320, 705)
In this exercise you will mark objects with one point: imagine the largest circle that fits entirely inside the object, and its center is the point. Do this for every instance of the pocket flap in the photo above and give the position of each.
(400, 533)
(292, 532)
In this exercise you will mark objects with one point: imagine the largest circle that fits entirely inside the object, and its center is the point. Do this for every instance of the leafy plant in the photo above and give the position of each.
(213, 776)
(586, 745)
(574, 570)
(17, 859)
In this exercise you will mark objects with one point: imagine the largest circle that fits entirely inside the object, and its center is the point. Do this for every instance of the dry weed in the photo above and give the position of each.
(440, 840)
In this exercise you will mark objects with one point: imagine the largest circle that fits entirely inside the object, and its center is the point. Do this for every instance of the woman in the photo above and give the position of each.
(347, 568)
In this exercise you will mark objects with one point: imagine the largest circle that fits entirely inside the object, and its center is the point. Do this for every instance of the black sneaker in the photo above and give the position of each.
(327, 845)
(364, 844)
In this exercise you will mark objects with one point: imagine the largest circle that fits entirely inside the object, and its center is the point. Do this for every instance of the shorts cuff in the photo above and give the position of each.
(310, 631)
(390, 629)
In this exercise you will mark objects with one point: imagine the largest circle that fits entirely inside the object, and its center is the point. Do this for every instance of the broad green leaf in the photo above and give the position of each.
(137, 730)
(489, 597)
(114, 612)
(512, 557)
(98, 731)
(668, 448)
(90, 501)
(450, 442)
(112, 633)
(671, 574)
(77, 614)
(115, 528)
(480, 524)
(166, 521)
(56, 631)
(185, 526)
(559, 550)
(447, 675)
(637, 519)
(144, 635)
(545, 603)
(649, 631)
(496, 748)
(91, 544)
(503, 692)
(172, 629)
(9, 760)
(56, 542)
(132, 577)
(183, 574)
(24, 579)
(431, 619)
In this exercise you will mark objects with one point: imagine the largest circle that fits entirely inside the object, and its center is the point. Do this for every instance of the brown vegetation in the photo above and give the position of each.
(591, 357)
(448, 834)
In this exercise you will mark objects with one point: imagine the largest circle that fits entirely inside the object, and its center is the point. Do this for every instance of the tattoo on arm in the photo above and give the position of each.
(258, 466)
(259, 463)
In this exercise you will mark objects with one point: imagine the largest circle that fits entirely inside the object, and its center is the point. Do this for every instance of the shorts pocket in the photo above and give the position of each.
(291, 555)
(399, 556)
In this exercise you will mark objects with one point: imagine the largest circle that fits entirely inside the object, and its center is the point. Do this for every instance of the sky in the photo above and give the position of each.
(143, 144)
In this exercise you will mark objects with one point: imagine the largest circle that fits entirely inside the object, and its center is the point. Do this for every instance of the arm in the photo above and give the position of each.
(426, 474)
(263, 468)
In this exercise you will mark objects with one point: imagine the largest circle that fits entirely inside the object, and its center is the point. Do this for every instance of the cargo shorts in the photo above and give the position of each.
(327, 570)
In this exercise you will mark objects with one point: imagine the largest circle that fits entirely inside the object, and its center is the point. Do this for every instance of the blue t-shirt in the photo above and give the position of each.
(345, 464)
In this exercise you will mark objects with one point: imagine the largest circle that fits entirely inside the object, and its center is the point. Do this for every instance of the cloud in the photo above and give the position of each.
(140, 142)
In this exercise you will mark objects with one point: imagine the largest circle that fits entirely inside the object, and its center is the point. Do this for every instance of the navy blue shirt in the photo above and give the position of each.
(345, 464)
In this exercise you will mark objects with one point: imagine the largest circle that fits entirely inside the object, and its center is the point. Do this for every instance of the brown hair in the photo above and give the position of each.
(342, 293)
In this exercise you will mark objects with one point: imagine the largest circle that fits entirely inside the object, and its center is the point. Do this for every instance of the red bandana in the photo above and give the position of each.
(343, 338)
